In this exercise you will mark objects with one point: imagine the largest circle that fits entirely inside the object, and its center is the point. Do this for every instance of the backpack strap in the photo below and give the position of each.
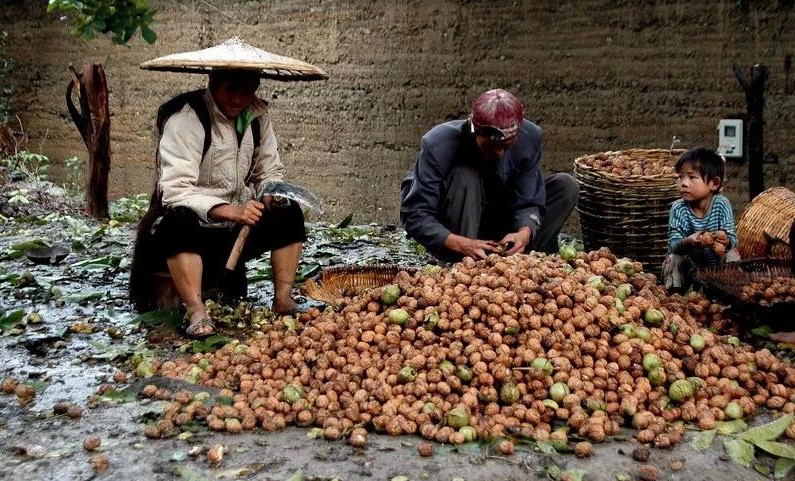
(196, 101)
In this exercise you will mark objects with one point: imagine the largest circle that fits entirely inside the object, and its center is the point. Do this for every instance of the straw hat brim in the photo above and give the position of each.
(236, 54)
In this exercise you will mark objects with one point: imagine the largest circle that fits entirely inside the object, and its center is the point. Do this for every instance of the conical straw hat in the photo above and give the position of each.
(236, 54)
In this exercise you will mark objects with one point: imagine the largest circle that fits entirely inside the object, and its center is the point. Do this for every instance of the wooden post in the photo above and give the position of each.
(755, 102)
(93, 123)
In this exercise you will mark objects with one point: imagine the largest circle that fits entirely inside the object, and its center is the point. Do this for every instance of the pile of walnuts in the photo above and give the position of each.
(518, 345)
(623, 164)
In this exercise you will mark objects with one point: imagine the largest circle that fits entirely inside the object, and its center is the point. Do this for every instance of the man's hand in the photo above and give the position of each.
(246, 214)
(519, 240)
(474, 248)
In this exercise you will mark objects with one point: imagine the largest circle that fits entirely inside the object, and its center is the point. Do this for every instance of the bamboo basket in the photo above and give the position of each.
(728, 280)
(628, 212)
(336, 282)
(764, 228)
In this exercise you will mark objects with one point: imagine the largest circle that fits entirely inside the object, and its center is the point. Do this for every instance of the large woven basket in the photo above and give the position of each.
(336, 282)
(625, 198)
(764, 227)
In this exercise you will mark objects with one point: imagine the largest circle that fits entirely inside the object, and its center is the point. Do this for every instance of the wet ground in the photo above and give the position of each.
(85, 332)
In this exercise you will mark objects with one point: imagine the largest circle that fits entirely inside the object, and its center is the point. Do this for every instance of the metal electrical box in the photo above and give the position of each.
(730, 138)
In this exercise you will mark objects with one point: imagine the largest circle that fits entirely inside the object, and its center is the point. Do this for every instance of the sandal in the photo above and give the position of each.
(198, 329)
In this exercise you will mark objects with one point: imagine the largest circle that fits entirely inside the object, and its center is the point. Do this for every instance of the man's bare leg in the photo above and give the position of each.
(186, 272)
(284, 262)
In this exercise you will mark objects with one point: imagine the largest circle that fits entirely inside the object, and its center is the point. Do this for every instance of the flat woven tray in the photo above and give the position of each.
(625, 198)
(747, 282)
(336, 282)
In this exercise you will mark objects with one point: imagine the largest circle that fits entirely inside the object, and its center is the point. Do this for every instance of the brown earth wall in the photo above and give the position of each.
(596, 75)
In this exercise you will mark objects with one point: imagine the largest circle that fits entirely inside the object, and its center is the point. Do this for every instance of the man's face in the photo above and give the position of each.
(492, 147)
(232, 97)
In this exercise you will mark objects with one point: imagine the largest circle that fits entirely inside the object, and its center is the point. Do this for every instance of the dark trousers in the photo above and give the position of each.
(470, 209)
(181, 231)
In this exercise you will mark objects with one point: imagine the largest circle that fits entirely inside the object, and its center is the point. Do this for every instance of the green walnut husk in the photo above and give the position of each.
(558, 391)
(680, 390)
(292, 393)
(431, 319)
(733, 410)
(620, 306)
(697, 342)
(463, 373)
(407, 374)
(643, 333)
(390, 294)
(470, 434)
(542, 364)
(623, 291)
(399, 317)
(458, 417)
(509, 393)
(598, 282)
(653, 317)
(567, 252)
(625, 266)
(657, 376)
(651, 361)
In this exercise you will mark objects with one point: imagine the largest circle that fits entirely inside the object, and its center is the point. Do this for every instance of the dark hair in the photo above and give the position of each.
(236, 78)
(705, 161)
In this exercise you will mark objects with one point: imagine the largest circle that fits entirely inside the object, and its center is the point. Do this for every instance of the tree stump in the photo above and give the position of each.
(93, 123)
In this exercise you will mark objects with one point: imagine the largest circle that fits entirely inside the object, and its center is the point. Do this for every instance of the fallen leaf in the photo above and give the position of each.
(783, 467)
(767, 432)
(702, 440)
(739, 451)
(777, 449)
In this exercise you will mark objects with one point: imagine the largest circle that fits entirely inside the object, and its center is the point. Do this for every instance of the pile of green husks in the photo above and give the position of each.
(546, 347)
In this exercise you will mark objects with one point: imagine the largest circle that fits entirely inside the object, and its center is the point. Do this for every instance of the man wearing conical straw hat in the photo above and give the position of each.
(216, 151)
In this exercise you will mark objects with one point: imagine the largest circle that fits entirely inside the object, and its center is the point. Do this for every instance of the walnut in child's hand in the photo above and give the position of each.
(718, 241)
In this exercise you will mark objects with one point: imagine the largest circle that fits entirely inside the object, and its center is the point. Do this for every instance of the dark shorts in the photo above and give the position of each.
(180, 230)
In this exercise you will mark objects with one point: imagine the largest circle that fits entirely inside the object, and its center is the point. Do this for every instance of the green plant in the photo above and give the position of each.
(129, 209)
(27, 164)
(122, 18)
(74, 179)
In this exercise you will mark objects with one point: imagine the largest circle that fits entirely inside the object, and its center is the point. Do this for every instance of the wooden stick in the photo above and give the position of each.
(237, 249)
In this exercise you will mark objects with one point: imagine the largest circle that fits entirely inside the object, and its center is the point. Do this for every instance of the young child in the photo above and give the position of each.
(701, 223)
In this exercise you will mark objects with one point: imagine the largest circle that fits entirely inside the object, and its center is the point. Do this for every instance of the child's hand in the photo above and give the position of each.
(693, 240)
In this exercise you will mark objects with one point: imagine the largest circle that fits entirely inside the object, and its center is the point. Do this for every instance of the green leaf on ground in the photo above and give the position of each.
(119, 396)
(767, 432)
(731, 427)
(740, 451)
(210, 344)
(546, 447)
(296, 476)
(783, 467)
(153, 318)
(11, 319)
(777, 449)
(553, 471)
(702, 440)
(84, 296)
(188, 474)
(575, 474)
(762, 331)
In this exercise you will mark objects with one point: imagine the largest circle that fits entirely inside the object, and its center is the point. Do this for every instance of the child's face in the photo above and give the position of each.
(693, 187)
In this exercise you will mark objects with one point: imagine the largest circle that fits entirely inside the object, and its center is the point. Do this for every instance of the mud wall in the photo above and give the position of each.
(596, 75)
